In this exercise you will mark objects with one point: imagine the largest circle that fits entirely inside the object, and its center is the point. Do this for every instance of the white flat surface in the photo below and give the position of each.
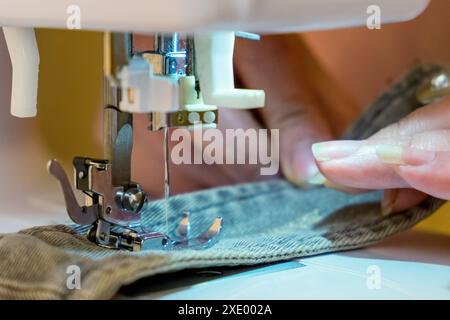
(327, 277)
(412, 265)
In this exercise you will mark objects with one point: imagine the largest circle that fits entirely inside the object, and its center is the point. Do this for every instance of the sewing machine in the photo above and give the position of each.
(179, 81)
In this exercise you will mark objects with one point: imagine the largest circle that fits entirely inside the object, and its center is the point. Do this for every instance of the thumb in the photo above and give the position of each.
(272, 64)
(299, 130)
(397, 200)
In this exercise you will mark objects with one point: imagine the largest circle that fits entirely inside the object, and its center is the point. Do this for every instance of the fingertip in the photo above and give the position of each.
(332, 150)
(388, 202)
(300, 166)
(408, 198)
(318, 179)
(398, 200)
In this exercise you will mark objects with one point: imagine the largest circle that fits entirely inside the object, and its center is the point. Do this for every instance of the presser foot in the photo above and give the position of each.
(138, 239)
(180, 237)
(114, 212)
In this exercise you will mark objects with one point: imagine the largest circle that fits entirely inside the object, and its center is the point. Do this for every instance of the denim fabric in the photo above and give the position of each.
(262, 222)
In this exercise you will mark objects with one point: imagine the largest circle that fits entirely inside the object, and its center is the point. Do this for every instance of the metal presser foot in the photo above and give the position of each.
(114, 211)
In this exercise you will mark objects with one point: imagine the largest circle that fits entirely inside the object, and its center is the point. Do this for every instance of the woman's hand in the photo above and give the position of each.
(284, 67)
(409, 159)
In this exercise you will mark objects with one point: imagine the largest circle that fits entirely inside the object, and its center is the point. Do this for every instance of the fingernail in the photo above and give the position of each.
(399, 155)
(303, 166)
(388, 202)
(318, 179)
(389, 153)
(330, 150)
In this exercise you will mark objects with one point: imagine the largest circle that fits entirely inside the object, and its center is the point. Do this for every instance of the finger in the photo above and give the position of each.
(291, 105)
(235, 173)
(149, 160)
(355, 164)
(424, 170)
(365, 164)
(397, 200)
(432, 117)
(330, 184)
(297, 134)
(217, 174)
(437, 140)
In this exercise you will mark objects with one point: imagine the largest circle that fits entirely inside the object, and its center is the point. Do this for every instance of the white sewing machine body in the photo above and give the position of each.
(197, 16)
(206, 15)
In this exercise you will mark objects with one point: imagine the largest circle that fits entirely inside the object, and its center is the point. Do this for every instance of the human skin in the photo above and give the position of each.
(408, 159)
(316, 84)
(368, 62)
(294, 105)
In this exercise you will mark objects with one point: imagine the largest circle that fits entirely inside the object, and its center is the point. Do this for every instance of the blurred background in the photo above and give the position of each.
(361, 63)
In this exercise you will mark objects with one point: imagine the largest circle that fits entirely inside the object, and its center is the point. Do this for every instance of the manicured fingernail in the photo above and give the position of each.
(302, 167)
(318, 179)
(388, 202)
(330, 150)
(389, 153)
(399, 155)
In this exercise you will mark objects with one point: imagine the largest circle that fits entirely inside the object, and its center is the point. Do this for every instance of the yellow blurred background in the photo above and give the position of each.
(438, 222)
(70, 93)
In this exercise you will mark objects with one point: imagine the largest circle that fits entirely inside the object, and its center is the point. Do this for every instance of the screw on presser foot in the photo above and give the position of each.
(118, 227)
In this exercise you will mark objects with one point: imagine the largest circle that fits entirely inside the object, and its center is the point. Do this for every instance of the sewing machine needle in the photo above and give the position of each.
(166, 174)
